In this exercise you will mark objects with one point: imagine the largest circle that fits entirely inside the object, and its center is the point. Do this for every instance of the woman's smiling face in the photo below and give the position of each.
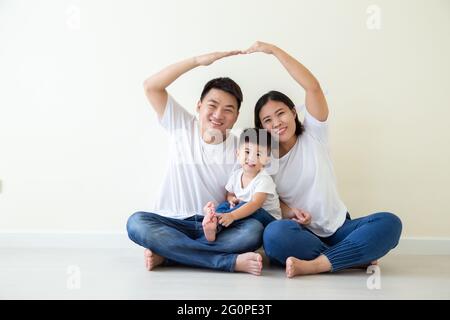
(278, 119)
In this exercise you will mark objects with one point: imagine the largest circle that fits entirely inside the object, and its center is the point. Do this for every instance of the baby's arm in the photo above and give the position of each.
(232, 200)
(244, 211)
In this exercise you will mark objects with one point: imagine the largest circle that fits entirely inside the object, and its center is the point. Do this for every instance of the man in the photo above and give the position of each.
(203, 156)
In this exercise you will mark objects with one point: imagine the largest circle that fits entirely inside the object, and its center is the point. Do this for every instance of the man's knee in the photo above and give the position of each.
(135, 220)
(138, 223)
(254, 230)
(253, 226)
(134, 224)
(247, 235)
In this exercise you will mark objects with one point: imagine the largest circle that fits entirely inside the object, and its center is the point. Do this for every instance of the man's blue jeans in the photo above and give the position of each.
(261, 215)
(357, 242)
(182, 240)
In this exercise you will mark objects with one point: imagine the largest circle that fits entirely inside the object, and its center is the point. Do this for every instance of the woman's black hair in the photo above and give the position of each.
(280, 97)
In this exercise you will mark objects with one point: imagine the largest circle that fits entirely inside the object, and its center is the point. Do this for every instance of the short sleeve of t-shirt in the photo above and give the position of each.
(317, 129)
(230, 184)
(175, 117)
(265, 184)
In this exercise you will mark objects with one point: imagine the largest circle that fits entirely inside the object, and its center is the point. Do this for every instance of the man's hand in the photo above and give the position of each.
(209, 58)
(301, 216)
(226, 219)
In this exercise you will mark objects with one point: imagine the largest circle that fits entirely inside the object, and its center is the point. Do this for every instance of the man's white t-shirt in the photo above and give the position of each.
(306, 179)
(197, 171)
(261, 183)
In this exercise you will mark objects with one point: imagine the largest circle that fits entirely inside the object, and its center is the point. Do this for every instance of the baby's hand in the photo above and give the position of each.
(226, 219)
(233, 202)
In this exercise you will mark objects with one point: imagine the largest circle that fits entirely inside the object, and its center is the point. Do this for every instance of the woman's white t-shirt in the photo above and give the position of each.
(197, 172)
(262, 182)
(305, 179)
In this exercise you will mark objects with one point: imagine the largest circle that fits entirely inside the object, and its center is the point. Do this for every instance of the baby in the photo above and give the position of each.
(251, 192)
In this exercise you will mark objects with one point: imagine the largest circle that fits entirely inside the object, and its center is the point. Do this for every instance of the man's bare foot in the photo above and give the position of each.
(249, 262)
(297, 267)
(152, 260)
(210, 221)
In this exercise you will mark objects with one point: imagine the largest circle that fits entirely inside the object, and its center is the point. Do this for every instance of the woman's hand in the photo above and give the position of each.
(301, 216)
(209, 58)
(260, 46)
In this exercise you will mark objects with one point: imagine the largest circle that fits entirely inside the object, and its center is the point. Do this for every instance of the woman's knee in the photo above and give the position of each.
(392, 224)
(275, 230)
(275, 239)
(391, 219)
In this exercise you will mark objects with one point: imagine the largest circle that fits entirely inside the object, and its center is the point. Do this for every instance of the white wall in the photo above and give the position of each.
(79, 145)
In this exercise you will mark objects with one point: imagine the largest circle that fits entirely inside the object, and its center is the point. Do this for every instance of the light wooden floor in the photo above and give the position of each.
(120, 274)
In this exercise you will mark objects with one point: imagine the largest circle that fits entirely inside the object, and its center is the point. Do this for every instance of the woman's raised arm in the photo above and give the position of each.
(315, 99)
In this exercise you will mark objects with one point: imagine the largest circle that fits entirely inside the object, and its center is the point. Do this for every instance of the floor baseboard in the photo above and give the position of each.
(423, 246)
(82, 240)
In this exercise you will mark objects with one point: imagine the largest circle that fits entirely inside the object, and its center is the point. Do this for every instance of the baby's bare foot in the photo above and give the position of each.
(152, 260)
(210, 222)
(207, 208)
(249, 262)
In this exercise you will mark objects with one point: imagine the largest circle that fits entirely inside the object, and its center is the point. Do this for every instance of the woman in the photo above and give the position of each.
(319, 237)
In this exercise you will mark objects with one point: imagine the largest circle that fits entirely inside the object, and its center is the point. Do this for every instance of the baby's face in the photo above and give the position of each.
(252, 157)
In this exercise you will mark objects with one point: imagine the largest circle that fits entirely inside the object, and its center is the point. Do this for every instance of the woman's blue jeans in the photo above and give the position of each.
(357, 242)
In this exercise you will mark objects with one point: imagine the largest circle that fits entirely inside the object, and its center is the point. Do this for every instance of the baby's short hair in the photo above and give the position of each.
(260, 137)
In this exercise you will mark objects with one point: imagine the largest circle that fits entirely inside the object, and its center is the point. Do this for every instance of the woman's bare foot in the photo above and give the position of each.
(152, 260)
(249, 262)
(210, 221)
(297, 267)
(365, 266)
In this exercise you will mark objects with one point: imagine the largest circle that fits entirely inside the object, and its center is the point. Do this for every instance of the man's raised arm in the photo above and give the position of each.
(155, 86)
